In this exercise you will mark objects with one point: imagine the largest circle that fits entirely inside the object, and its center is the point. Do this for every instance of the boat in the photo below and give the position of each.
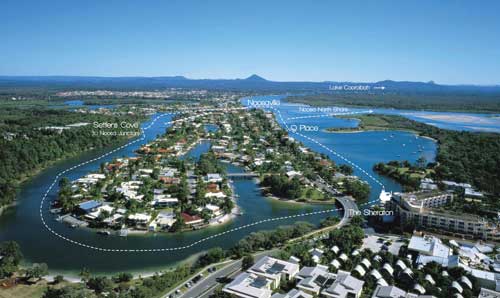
(385, 196)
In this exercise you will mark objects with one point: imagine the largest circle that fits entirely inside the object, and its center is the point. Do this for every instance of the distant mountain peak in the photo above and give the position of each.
(255, 77)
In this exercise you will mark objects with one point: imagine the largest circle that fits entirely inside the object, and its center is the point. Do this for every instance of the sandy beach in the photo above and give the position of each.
(457, 118)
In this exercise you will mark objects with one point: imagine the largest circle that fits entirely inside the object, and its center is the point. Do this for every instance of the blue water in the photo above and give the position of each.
(81, 104)
(365, 149)
(22, 223)
(452, 120)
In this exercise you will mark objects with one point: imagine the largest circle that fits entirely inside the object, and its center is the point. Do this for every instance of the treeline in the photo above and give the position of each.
(27, 146)
(208, 163)
(436, 102)
(157, 285)
(281, 186)
(410, 179)
(462, 156)
(358, 189)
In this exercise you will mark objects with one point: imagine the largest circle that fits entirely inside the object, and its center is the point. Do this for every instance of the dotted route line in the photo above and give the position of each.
(143, 137)
(328, 149)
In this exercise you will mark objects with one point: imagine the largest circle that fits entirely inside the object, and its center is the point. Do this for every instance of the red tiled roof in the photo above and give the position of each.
(189, 218)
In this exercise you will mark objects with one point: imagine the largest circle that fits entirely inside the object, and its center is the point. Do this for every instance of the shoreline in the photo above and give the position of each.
(26, 177)
(275, 198)
(347, 131)
(8, 206)
(73, 276)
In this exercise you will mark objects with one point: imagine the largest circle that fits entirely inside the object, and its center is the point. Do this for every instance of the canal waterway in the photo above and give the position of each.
(22, 223)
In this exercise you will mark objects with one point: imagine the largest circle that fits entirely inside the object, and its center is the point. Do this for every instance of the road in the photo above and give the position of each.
(205, 287)
(207, 284)
(348, 204)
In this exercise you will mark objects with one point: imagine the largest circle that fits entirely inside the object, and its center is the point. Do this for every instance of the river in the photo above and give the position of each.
(22, 223)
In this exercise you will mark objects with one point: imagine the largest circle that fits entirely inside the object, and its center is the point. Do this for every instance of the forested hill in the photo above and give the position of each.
(27, 144)
(253, 83)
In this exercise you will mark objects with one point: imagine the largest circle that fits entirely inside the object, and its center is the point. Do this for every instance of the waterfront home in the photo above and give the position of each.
(213, 178)
(139, 218)
(97, 211)
(90, 179)
(214, 209)
(191, 220)
(275, 270)
(113, 219)
(247, 285)
(165, 220)
(89, 206)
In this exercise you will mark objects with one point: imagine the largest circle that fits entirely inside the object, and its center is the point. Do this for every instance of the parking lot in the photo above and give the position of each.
(376, 243)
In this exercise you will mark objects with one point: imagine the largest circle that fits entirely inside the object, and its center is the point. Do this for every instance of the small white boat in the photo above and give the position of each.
(385, 196)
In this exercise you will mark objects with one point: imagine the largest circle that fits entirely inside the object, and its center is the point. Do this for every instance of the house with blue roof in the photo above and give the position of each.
(89, 206)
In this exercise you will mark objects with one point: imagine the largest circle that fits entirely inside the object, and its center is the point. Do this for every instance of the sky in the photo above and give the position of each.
(449, 42)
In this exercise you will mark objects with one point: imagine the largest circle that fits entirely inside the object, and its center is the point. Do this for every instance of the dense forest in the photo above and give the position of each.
(462, 156)
(436, 102)
(29, 142)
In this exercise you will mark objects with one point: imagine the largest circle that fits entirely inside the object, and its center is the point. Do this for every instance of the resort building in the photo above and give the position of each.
(420, 209)
(486, 293)
(429, 246)
(313, 279)
(395, 292)
(294, 293)
(247, 285)
(344, 286)
(275, 270)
